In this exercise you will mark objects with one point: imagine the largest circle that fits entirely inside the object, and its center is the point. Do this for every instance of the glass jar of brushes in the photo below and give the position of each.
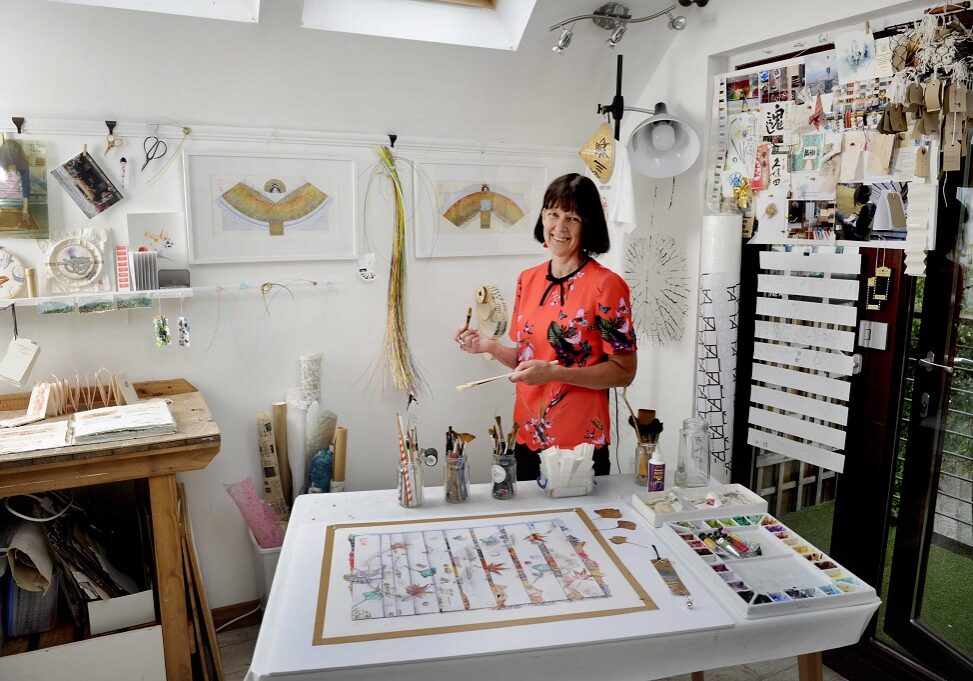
(456, 479)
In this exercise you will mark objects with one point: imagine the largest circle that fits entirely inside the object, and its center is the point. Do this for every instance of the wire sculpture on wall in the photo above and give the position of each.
(656, 273)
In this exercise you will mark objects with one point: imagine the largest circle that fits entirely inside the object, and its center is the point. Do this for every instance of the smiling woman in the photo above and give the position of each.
(572, 326)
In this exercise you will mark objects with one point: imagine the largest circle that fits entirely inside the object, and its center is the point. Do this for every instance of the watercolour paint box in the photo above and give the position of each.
(691, 503)
(789, 575)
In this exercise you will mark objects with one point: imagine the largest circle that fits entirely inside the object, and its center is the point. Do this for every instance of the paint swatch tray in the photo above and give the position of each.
(690, 503)
(788, 576)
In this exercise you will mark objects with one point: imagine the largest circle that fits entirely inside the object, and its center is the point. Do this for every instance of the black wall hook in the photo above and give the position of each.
(111, 126)
(392, 138)
(19, 122)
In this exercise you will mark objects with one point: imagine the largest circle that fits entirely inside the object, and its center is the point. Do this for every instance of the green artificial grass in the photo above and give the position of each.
(948, 597)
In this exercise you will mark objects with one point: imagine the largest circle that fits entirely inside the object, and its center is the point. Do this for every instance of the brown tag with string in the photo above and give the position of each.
(922, 163)
(931, 96)
(957, 98)
(952, 156)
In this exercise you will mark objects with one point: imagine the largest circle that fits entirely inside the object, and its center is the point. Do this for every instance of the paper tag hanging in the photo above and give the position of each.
(598, 153)
(922, 163)
(366, 266)
(16, 364)
(182, 327)
(162, 335)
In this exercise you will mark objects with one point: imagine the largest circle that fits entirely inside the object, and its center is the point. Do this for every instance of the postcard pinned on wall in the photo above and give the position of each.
(87, 184)
(23, 189)
(855, 54)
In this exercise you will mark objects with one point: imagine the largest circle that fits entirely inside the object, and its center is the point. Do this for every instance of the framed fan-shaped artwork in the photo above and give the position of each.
(269, 207)
(484, 208)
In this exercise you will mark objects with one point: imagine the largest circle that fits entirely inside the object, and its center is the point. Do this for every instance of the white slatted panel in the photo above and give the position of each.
(840, 289)
(818, 360)
(844, 315)
(805, 334)
(803, 381)
(794, 412)
(835, 263)
(816, 456)
(798, 427)
(815, 409)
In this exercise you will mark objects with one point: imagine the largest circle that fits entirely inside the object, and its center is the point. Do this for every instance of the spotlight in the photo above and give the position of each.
(564, 40)
(677, 23)
(616, 36)
(698, 3)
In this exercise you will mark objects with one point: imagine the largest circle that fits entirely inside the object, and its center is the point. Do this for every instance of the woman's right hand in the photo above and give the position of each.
(470, 340)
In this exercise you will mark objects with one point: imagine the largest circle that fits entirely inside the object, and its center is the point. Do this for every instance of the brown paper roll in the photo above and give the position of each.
(340, 452)
(279, 411)
(31, 277)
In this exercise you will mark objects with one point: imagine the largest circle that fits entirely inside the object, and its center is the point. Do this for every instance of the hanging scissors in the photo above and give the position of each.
(152, 146)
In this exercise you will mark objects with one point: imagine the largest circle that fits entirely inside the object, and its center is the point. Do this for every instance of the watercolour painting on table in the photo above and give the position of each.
(270, 207)
(416, 578)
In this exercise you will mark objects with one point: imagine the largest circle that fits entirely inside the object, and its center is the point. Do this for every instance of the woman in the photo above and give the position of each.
(573, 311)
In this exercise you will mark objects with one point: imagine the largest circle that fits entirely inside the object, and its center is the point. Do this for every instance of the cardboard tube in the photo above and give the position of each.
(340, 452)
(279, 412)
(31, 277)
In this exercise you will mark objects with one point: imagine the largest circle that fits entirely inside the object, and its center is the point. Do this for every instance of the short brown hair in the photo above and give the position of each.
(578, 194)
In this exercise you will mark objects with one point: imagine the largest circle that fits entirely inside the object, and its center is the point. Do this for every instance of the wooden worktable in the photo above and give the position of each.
(157, 459)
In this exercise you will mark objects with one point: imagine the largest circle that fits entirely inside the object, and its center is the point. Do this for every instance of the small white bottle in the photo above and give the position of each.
(657, 471)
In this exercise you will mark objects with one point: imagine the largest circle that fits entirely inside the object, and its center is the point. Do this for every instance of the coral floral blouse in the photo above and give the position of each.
(577, 320)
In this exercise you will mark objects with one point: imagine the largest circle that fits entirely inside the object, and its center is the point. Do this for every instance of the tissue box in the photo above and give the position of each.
(573, 491)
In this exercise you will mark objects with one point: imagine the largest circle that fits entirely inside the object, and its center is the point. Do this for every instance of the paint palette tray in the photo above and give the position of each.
(691, 503)
(788, 575)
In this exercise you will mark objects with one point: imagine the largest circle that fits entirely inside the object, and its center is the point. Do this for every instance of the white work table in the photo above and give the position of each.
(665, 642)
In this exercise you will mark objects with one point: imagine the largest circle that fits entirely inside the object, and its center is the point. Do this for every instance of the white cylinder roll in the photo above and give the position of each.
(720, 252)
(296, 428)
(311, 376)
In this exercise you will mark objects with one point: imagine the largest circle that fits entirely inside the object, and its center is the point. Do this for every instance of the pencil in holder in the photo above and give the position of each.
(456, 479)
(410, 485)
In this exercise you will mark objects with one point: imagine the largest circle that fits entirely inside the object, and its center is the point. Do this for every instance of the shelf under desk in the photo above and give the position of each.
(156, 459)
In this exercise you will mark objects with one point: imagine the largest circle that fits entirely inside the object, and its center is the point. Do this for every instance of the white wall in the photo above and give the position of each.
(84, 65)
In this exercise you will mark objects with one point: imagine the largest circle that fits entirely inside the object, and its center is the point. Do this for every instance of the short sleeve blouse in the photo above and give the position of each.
(577, 320)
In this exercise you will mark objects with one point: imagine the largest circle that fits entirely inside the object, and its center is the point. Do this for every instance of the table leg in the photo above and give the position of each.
(169, 577)
(698, 676)
(809, 667)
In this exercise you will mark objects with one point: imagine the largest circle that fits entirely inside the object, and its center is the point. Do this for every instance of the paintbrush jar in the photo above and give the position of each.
(504, 476)
(456, 480)
(410, 485)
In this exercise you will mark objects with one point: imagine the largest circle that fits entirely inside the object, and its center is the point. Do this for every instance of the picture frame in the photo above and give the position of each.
(486, 207)
(233, 213)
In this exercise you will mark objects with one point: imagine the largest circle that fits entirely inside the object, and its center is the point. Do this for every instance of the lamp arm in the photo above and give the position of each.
(653, 16)
(622, 19)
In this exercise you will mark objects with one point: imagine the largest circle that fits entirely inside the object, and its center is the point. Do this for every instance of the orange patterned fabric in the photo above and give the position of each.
(577, 320)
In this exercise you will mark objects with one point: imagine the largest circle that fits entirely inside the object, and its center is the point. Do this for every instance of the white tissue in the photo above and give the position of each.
(565, 468)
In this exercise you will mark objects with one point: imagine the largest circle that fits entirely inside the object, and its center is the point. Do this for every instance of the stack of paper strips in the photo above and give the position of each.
(108, 424)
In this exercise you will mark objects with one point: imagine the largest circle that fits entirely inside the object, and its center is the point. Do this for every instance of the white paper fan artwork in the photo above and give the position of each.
(656, 273)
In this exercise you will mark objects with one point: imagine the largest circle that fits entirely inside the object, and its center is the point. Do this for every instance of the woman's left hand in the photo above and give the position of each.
(534, 372)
